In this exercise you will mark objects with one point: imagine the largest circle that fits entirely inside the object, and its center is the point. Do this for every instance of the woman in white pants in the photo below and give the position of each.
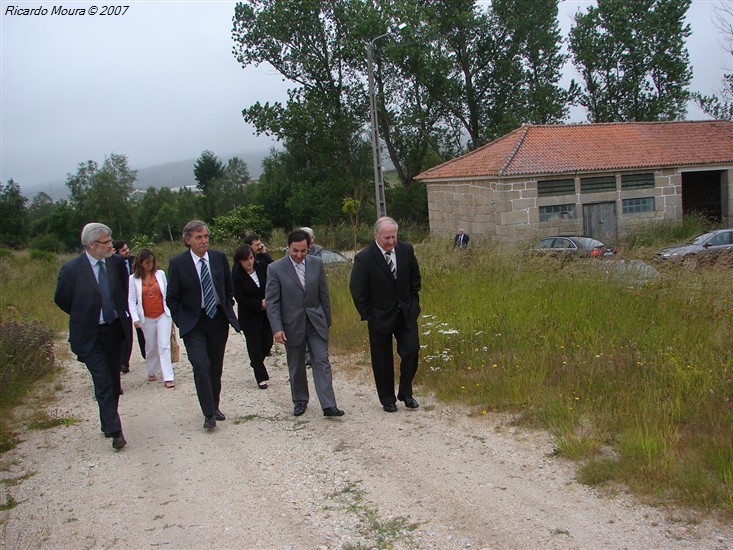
(149, 312)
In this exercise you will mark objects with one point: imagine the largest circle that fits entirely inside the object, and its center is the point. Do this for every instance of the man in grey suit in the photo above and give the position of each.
(299, 310)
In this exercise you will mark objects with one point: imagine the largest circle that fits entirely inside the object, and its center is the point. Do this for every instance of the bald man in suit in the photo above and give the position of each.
(385, 286)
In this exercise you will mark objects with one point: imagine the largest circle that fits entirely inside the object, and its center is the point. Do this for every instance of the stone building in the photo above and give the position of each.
(600, 180)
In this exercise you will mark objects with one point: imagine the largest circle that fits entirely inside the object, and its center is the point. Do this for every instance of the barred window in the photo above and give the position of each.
(637, 181)
(557, 212)
(598, 184)
(636, 206)
(549, 188)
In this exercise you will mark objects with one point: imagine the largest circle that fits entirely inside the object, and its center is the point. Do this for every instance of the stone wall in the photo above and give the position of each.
(507, 210)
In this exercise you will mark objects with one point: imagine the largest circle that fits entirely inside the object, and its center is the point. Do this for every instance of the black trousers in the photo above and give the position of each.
(205, 346)
(408, 348)
(104, 364)
(127, 350)
(259, 346)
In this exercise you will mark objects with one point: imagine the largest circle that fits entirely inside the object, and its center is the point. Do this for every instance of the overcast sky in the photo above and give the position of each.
(160, 84)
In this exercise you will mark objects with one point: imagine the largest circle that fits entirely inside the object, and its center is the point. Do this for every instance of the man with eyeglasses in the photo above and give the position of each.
(92, 289)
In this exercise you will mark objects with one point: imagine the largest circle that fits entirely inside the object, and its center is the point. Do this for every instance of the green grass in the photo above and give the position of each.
(377, 532)
(635, 381)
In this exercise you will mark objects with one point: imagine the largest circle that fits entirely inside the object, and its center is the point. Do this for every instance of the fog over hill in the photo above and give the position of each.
(170, 174)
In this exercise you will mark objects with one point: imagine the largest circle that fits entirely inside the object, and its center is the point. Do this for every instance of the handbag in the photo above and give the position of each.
(175, 347)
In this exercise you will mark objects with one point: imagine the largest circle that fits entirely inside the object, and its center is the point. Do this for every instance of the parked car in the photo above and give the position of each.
(705, 246)
(332, 257)
(572, 245)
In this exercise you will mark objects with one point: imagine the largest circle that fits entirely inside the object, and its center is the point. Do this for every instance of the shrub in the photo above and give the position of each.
(47, 243)
(26, 354)
(42, 255)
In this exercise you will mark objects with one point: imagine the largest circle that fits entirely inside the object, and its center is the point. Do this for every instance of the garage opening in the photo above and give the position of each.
(702, 194)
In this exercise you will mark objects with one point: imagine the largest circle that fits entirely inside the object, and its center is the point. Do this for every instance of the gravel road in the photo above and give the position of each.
(433, 478)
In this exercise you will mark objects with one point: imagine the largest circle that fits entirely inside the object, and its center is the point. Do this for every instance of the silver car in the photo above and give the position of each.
(706, 246)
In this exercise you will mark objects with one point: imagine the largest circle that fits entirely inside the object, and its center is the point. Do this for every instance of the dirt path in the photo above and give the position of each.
(431, 478)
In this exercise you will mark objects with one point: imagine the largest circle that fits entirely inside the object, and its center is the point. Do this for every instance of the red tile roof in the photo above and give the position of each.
(569, 148)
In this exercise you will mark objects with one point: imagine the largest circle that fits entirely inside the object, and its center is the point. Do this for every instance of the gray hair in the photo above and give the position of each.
(92, 231)
(193, 225)
(307, 230)
(381, 221)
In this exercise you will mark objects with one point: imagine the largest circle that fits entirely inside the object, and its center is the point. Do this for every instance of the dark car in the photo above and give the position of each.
(707, 247)
(332, 257)
(572, 245)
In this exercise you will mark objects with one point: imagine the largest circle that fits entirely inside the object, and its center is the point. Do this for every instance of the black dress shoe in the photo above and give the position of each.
(332, 411)
(209, 422)
(125, 369)
(410, 403)
(219, 415)
(391, 408)
(299, 409)
(262, 385)
(118, 441)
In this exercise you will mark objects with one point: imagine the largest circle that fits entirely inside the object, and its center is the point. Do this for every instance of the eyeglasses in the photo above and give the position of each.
(104, 242)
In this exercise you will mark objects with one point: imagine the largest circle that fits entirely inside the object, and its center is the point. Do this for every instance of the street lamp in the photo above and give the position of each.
(376, 154)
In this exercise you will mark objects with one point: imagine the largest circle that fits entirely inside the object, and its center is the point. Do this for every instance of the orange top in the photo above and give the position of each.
(152, 299)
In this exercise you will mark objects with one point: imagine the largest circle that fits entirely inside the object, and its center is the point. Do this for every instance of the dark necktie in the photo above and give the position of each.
(108, 306)
(390, 263)
(208, 287)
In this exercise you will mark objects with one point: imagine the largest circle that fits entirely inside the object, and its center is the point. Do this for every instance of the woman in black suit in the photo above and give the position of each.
(249, 279)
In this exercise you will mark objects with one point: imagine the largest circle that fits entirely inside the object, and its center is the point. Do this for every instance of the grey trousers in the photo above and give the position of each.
(320, 365)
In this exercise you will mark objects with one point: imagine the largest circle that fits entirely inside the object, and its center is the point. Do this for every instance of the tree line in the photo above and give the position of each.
(457, 76)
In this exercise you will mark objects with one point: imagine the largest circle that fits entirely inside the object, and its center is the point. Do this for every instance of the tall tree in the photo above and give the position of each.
(208, 167)
(721, 106)
(321, 124)
(633, 60)
(490, 67)
(39, 211)
(15, 226)
(104, 194)
(228, 191)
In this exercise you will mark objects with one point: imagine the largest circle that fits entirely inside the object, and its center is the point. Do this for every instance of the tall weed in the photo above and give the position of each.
(635, 380)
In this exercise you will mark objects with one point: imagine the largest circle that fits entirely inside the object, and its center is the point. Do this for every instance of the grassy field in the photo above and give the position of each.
(633, 375)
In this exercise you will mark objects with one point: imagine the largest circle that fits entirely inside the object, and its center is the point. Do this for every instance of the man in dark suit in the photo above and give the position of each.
(385, 286)
(201, 300)
(92, 289)
(460, 241)
(122, 250)
(299, 310)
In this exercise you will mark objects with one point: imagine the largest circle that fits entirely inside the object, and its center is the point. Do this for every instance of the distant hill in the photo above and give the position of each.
(180, 173)
(170, 174)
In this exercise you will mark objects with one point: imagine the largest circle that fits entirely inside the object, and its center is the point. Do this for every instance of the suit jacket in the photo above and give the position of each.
(78, 294)
(135, 295)
(184, 289)
(378, 296)
(289, 305)
(466, 238)
(249, 297)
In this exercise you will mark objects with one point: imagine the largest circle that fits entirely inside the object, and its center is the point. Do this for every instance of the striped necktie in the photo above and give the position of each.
(208, 287)
(390, 263)
(300, 270)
